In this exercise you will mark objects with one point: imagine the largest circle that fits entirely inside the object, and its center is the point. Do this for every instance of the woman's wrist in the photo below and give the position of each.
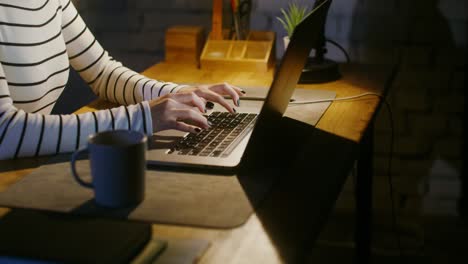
(181, 88)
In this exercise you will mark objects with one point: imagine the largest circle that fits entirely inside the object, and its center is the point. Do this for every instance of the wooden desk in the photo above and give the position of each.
(281, 230)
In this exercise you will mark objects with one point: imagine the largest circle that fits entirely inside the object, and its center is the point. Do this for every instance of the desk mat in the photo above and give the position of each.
(171, 197)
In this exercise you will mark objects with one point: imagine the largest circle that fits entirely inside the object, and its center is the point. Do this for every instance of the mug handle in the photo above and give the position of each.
(73, 168)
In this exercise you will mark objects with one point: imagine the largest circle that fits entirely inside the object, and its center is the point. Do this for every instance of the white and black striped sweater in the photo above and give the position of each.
(39, 40)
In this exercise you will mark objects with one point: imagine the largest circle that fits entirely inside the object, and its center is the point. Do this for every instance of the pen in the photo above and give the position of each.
(233, 6)
(235, 13)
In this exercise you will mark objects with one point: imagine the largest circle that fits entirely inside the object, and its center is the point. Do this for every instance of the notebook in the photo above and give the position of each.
(225, 144)
(31, 236)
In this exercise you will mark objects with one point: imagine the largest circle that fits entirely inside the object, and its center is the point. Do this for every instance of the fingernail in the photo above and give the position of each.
(198, 130)
(238, 102)
(242, 91)
(209, 105)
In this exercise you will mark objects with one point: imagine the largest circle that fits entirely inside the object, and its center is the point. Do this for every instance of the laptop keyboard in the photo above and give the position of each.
(227, 130)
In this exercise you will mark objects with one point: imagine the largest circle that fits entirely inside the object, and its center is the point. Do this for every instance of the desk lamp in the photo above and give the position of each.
(319, 69)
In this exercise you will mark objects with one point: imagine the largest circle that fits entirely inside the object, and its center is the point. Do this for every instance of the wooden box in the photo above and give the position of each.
(256, 53)
(184, 44)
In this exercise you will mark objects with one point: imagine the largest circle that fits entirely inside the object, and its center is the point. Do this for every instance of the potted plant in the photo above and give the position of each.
(292, 16)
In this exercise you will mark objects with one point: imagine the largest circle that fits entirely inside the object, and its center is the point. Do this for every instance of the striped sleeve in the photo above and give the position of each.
(107, 77)
(24, 134)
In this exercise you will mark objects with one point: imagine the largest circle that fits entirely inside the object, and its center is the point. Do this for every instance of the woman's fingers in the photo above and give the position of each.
(183, 110)
(186, 127)
(227, 89)
(168, 113)
(190, 98)
(191, 117)
(215, 97)
(216, 93)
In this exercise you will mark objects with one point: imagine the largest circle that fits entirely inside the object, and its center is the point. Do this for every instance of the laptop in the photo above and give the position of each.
(224, 145)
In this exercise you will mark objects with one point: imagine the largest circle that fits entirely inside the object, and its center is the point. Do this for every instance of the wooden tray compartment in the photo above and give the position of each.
(256, 53)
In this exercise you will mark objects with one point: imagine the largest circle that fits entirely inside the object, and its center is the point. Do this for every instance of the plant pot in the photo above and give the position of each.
(286, 42)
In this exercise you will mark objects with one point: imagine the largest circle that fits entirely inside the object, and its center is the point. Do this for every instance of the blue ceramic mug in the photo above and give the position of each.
(118, 165)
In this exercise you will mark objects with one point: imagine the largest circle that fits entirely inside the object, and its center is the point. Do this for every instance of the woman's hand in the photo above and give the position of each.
(184, 110)
(216, 93)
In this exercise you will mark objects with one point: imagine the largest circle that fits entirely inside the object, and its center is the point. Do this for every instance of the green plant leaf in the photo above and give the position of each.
(289, 23)
(292, 16)
(284, 24)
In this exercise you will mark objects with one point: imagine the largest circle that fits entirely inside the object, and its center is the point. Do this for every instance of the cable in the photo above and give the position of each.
(390, 158)
(390, 179)
(348, 60)
(346, 98)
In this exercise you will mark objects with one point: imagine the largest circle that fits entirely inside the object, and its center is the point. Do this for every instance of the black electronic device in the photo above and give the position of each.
(319, 69)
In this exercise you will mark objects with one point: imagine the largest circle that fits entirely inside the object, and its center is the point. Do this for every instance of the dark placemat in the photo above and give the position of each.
(195, 199)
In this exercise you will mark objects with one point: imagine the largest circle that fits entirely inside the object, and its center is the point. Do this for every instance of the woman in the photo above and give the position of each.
(39, 40)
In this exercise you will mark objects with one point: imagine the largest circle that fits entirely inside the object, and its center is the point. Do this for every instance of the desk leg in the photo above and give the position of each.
(363, 198)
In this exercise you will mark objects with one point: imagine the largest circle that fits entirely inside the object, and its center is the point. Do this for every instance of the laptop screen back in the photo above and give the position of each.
(305, 35)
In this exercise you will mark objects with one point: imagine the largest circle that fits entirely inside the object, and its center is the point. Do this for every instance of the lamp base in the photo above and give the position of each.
(319, 72)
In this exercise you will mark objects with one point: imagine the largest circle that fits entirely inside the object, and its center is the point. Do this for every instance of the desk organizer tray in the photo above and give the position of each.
(256, 53)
